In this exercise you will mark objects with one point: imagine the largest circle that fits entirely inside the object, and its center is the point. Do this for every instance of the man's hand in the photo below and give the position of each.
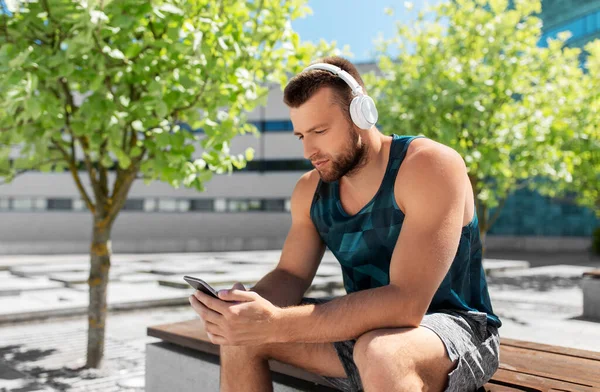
(238, 318)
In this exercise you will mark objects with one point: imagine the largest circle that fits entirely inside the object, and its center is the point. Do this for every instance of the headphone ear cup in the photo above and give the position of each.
(363, 112)
(354, 112)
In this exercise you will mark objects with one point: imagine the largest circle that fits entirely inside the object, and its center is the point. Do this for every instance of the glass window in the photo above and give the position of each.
(274, 204)
(149, 204)
(590, 23)
(40, 204)
(78, 205)
(220, 205)
(60, 204)
(22, 204)
(134, 205)
(183, 205)
(4, 204)
(238, 205)
(202, 205)
(288, 205)
(255, 205)
(167, 205)
(576, 28)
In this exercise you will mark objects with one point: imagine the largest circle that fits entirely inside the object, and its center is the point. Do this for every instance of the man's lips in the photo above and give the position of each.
(320, 163)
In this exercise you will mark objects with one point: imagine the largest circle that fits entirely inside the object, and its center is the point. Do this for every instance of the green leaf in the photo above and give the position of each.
(249, 154)
(136, 152)
(107, 161)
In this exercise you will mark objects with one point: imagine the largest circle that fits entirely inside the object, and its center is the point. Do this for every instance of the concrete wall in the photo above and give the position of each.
(139, 232)
(278, 184)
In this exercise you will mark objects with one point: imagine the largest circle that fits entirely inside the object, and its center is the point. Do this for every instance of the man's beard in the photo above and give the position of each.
(348, 162)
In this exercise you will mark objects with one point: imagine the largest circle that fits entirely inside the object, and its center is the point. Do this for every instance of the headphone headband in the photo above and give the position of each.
(362, 108)
(345, 76)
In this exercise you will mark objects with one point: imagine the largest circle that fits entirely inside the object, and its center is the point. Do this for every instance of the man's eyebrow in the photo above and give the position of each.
(311, 129)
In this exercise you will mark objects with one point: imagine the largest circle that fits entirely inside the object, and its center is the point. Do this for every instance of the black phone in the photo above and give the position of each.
(201, 285)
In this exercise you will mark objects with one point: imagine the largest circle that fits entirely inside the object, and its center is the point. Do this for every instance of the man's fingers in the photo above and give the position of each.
(235, 295)
(205, 312)
(212, 331)
(211, 302)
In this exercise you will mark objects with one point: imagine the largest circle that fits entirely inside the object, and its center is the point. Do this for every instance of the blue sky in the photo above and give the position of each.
(355, 22)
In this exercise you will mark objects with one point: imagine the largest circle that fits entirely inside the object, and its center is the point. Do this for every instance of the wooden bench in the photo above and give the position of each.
(590, 286)
(524, 366)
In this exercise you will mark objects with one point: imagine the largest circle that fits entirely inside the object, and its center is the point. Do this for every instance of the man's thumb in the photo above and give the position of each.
(238, 286)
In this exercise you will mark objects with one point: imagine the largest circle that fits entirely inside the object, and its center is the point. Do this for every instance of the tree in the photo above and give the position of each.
(582, 149)
(470, 75)
(110, 84)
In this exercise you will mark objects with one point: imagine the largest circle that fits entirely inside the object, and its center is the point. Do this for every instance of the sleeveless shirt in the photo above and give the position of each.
(363, 243)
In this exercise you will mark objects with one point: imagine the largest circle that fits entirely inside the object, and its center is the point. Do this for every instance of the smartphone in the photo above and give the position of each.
(201, 285)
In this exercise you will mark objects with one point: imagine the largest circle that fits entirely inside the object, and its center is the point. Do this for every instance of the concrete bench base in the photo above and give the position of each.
(590, 285)
(173, 368)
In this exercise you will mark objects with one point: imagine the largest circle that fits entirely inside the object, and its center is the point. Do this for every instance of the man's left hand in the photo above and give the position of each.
(238, 318)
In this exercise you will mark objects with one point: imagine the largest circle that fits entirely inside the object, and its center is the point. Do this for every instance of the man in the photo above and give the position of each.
(398, 213)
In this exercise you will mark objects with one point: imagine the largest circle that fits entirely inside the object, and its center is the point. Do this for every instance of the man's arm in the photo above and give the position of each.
(432, 196)
(301, 254)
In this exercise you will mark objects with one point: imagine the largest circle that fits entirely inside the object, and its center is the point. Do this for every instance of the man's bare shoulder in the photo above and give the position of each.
(428, 149)
(304, 192)
(429, 166)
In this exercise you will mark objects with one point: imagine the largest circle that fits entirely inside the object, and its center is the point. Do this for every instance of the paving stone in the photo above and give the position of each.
(182, 268)
(45, 269)
(13, 285)
(138, 277)
(71, 278)
(493, 266)
(561, 270)
(329, 270)
(120, 295)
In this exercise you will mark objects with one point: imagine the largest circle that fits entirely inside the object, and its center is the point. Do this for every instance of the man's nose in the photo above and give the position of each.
(309, 149)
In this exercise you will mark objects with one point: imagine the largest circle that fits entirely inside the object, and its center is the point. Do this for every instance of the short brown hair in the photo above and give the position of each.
(304, 85)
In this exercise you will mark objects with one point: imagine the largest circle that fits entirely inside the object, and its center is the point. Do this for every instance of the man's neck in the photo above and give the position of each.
(371, 173)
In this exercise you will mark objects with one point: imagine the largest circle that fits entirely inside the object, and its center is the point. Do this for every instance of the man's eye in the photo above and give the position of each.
(299, 137)
(320, 131)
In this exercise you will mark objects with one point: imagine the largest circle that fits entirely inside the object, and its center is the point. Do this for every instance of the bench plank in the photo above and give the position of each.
(535, 383)
(572, 352)
(573, 370)
(524, 366)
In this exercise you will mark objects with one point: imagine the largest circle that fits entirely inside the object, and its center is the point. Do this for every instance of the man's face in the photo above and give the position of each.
(330, 141)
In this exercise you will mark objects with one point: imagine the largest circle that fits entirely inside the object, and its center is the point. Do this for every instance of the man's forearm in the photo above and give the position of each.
(347, 317)
(280, 288)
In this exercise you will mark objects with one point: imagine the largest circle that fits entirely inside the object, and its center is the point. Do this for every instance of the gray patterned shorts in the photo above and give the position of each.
(468, 339)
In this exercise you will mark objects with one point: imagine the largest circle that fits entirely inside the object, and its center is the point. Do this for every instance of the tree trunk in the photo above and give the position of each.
(100, 252)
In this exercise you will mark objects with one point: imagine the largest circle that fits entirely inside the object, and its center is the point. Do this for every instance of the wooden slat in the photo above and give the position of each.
(571, 352)
(492, 386)
(536, 383)
(574, 370)
(524, 366)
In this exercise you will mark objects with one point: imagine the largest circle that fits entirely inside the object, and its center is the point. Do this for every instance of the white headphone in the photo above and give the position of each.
(362, 108)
